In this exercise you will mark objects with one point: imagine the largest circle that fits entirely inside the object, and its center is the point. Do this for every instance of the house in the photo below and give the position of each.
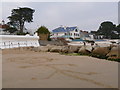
(94, 35)
(70, 33)
(66, 32)
(3, 26)
(84, 35)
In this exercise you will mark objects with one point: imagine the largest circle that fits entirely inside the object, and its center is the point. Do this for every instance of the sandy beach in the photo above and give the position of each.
(29, 69)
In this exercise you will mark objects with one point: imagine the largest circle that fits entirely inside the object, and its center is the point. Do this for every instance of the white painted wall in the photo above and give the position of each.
(74, 32)
(12, 41)
(58, 34)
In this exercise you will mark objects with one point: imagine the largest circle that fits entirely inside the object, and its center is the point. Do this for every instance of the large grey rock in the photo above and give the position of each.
(50, 46)
(89, 48)
(43, 49)
(56, 49)
(101, 51)
(95, 46)
(84, 50)
(73, 49)
(40, 49)
(65, 49)
(36, 49)
(114, 53)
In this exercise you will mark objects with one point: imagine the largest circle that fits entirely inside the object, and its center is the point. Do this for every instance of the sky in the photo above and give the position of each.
(86, 15)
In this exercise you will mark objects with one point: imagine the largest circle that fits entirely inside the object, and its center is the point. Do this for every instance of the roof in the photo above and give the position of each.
(4, 26)
(63, 29)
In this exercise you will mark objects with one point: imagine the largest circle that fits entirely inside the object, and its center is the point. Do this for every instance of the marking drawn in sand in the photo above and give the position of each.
(33, 78)
(69, 73)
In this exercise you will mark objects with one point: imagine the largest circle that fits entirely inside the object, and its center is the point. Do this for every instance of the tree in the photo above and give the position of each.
(118, 28)
(107, 29)
(43, 33)
(11, 30)
(20, 16)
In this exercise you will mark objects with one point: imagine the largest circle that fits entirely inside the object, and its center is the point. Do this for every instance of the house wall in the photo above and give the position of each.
(58, 34)
(75, 34)
(92, 36)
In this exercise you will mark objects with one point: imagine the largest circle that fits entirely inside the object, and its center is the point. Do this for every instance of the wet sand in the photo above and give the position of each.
(29, 69)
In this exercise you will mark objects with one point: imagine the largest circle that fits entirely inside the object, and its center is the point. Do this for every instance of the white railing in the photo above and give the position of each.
(13, 41)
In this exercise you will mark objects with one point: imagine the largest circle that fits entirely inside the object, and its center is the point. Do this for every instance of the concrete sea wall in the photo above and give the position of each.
(13, 41)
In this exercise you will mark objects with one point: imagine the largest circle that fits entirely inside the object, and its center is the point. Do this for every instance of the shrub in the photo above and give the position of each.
(43, 30)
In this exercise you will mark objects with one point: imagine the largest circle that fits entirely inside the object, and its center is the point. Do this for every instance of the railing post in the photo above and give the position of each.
(4, 45)
(26, 43)
(9, 44)
(18, 45)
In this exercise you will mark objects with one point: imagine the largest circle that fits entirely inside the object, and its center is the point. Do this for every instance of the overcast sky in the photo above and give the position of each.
(86, 15)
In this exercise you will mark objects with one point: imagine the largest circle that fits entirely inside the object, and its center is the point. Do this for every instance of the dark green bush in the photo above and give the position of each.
(43, 30)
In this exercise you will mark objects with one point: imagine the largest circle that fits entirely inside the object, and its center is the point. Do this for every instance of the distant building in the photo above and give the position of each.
(66, 32)
(85, 35)
(94, 35)
(69, 32)
(3, 26)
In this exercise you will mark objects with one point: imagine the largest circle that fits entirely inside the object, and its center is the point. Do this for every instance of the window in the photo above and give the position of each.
(65, 33)
(74, 34)
(76, 30)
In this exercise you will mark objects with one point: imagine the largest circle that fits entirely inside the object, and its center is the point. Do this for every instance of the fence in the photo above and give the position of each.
(13, 41)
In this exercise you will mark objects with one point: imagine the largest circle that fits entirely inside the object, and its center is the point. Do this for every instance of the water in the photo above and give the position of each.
(77, 40)
(96, 40)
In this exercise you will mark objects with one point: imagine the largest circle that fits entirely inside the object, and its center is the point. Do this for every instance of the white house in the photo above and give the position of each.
(70, 32)
(66, 32)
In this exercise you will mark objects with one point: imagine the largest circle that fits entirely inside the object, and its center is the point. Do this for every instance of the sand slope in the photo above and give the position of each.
(28, 69)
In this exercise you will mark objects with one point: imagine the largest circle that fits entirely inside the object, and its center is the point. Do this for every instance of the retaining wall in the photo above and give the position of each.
(13, 41)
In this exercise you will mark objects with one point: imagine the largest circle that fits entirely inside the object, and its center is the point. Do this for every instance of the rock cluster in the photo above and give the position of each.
(100, 52)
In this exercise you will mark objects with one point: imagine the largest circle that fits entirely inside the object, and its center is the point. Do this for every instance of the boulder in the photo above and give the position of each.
(73, 49)
(56, 49)
(100, 52)
(40, 49)
(84, 50)
(89, 48)
(65, 49)
(49, 46)
(95, 46)
(43, 49)
(35, 49)
(114, 53)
